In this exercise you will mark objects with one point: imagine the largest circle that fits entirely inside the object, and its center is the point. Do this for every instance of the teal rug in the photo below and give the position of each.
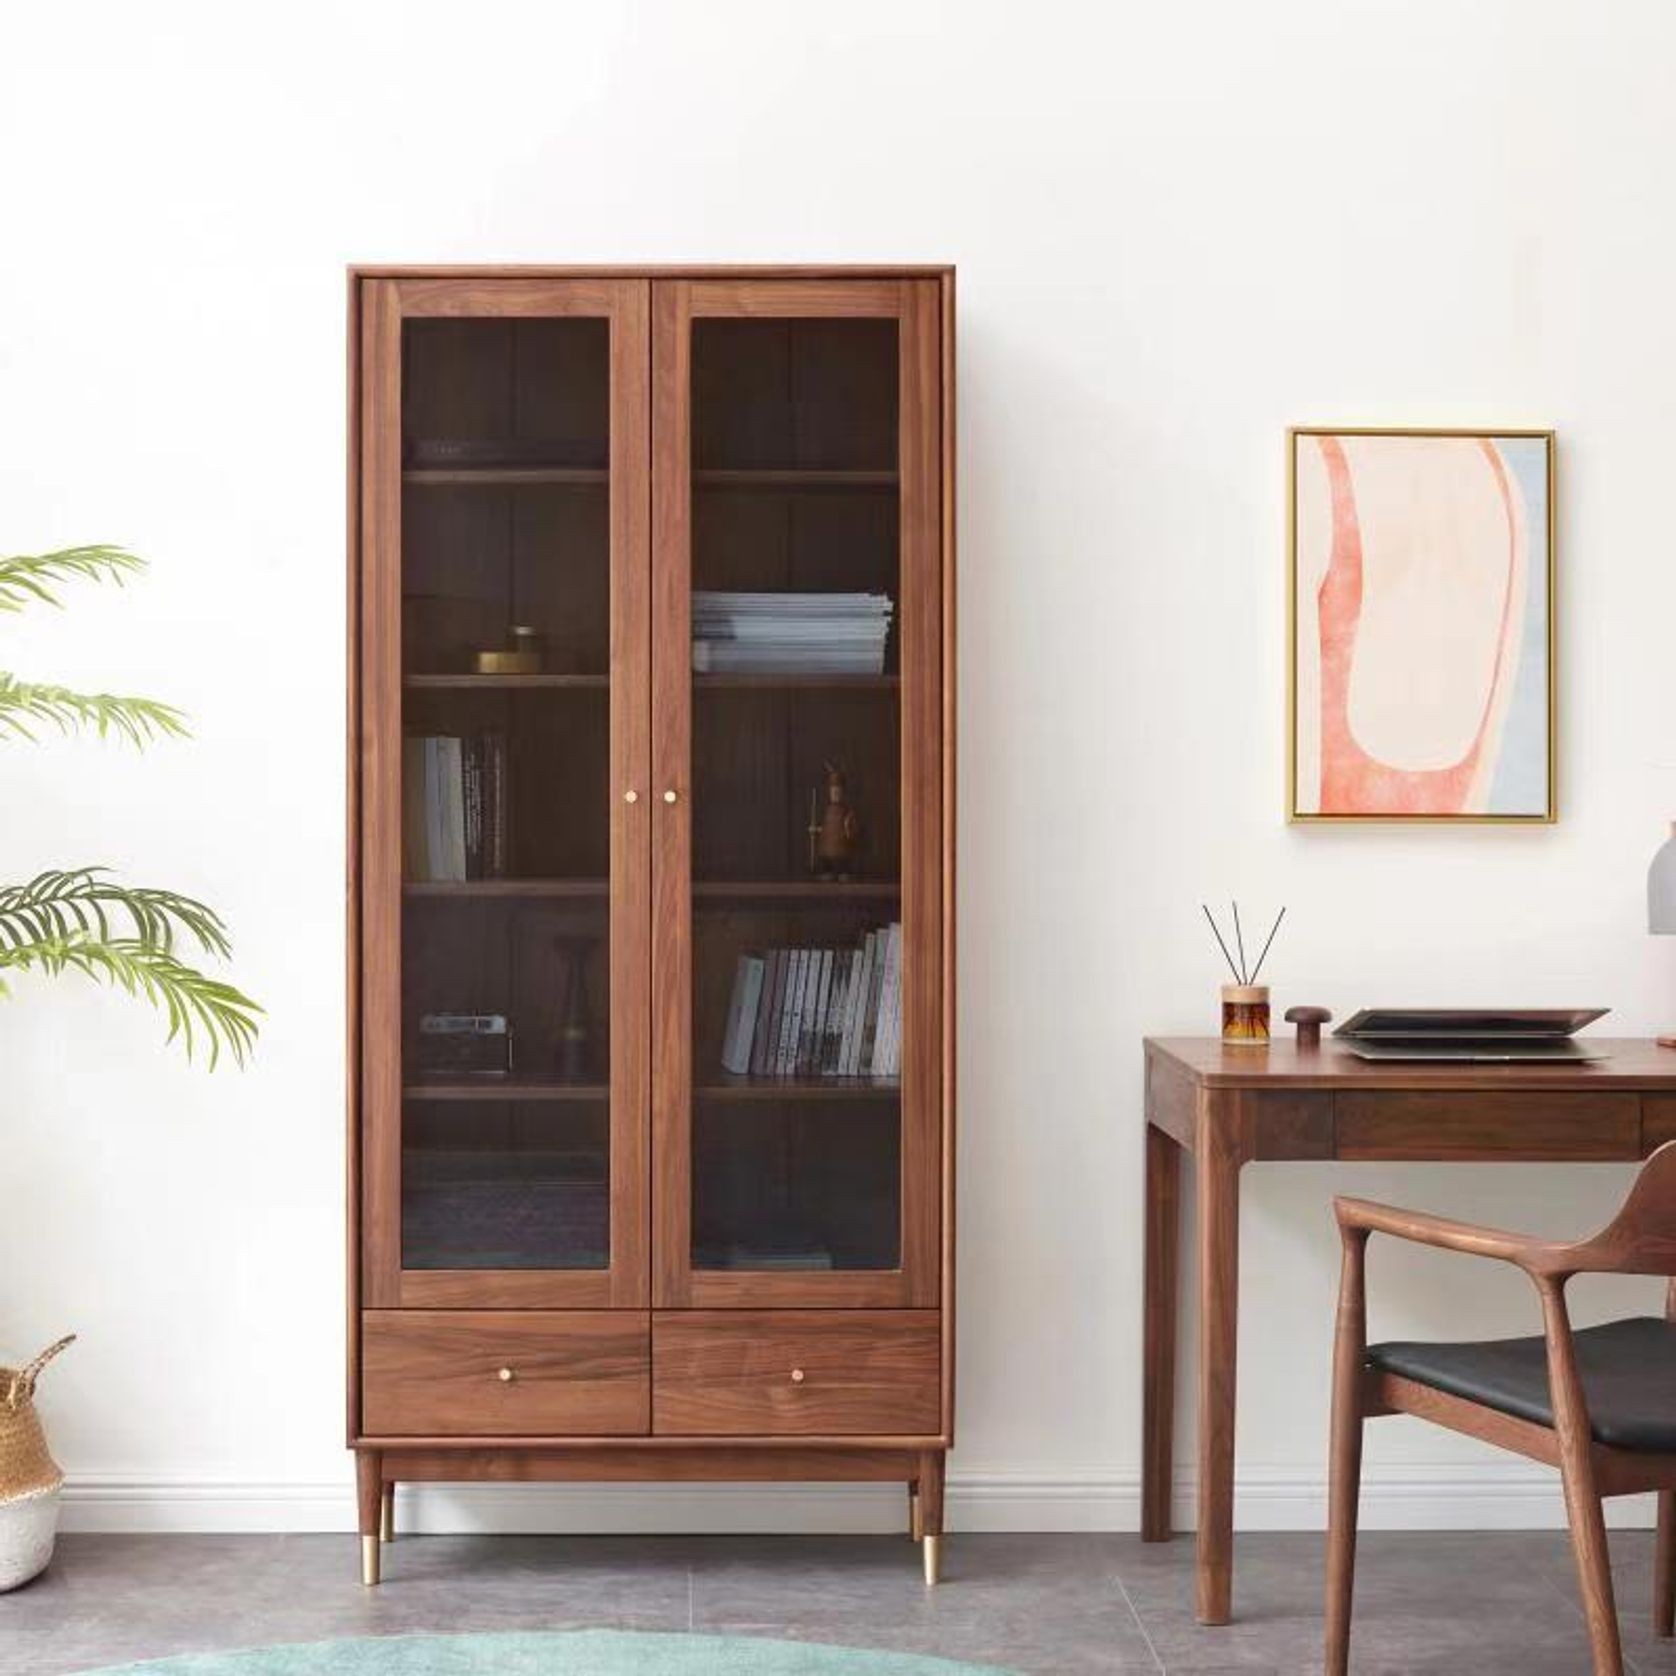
(589, 1652)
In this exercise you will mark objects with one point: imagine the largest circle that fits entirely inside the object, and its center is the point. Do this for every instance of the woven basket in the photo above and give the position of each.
(29, 1477)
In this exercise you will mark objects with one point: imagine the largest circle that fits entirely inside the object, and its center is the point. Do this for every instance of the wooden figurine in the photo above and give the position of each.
(1309, 1021)
(835, 831)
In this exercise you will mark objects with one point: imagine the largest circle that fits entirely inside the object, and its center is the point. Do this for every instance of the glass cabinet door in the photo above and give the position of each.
(796, 752)
(504, 528)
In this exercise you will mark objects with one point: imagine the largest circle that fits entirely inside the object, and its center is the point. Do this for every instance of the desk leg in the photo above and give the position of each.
(1158, 1360)
(1219, 1279)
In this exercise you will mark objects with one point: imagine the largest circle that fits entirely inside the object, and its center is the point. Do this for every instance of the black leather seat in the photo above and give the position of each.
(1628, 1370)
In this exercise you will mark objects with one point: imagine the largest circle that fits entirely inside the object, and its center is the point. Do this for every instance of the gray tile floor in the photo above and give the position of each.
(1492, 1605)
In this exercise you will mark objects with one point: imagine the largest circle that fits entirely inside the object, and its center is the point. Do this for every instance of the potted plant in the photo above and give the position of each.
(139, 938)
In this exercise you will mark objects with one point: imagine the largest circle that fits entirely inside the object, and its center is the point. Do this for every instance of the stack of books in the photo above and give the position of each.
(834, 634)
(815, 1012)
(454, 807)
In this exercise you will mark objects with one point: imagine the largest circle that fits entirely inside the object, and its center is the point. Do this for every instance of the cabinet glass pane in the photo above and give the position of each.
(505, 799)
(796, 812)
(504, 1184)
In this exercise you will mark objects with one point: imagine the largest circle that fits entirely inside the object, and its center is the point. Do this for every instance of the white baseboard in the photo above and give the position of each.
(1487, 1496)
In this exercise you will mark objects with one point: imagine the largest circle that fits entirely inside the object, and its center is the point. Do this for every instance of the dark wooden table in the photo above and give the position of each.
(1230, 1106)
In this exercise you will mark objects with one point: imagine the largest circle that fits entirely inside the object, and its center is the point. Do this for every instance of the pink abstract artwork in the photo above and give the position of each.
(1421, 631)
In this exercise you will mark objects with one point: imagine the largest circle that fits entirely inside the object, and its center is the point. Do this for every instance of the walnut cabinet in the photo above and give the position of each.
(651, 1080)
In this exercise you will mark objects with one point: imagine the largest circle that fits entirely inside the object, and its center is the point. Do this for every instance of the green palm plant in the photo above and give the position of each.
(81, 919)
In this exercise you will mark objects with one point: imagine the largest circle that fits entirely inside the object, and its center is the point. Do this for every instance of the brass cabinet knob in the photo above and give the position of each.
(797, 1376)
(506, 1376)
(670, 795)
(631, 796)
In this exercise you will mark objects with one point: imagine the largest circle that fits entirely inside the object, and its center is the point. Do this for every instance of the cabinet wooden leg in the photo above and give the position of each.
(930, 1503)
(369, 1500)
(916, 1519)
(1158, 1357)
(387, 1514)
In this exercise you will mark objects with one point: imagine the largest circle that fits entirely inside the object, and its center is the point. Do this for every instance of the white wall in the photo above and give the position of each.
(1179, 228)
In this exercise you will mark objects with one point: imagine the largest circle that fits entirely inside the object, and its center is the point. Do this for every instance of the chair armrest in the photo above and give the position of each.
(1363, 1215)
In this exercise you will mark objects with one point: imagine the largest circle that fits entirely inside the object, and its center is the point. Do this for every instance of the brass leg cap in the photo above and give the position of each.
(369, 1561)
(933, 1548)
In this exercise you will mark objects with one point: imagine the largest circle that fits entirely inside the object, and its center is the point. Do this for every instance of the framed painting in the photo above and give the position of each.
(1421, 625)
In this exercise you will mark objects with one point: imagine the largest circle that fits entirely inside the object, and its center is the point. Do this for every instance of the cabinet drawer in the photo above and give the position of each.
(1445, 1124)
(504, 1373)
(797, 1373)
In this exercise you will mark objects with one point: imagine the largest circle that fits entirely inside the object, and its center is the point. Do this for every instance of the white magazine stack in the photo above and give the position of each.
(804, 633)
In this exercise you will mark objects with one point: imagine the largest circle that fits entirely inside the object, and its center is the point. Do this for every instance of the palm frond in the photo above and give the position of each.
(138, 720)
(27, 578)
(85, 901)
(201, 1010)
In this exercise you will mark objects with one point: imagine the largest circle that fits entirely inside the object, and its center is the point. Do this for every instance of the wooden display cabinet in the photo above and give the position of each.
(581, 1248)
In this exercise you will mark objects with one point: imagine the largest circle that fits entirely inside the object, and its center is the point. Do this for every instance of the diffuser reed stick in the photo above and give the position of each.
(1242, 973)
(1221, 945)
(1266, 942)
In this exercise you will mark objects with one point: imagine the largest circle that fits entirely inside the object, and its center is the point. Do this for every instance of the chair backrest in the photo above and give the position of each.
(1641, 1238)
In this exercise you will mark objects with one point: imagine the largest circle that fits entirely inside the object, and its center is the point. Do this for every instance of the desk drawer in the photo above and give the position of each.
(1658, 1121)
(1462, 1125)
(443, 1373)
(797, 1373)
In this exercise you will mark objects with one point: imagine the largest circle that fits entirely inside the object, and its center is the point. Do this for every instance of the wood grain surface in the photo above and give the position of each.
(440, 1371)
(1629, 1062)
(693, 1463)
(797, 1372)
(874, 1347)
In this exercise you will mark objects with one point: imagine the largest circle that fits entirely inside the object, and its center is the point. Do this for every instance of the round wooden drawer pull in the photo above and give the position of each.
(506, 1376)
(797, 1376)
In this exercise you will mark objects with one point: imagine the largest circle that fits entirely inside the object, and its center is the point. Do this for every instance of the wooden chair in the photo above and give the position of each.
(1599, 1403)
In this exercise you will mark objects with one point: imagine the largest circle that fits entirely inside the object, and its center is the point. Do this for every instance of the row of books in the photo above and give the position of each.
(790, 633)
(812, 1012)
(454, 806)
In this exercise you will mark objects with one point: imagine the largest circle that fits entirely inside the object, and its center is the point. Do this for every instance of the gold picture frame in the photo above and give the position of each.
(1547, 639)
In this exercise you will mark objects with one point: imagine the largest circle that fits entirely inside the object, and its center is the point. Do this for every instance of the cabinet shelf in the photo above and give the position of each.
(503, 476)
(708, 890)
(508, 889)
(797, 678)
(479, 683)
(794, 478)
(517, 1087)
(796, 890)
(728, 1087)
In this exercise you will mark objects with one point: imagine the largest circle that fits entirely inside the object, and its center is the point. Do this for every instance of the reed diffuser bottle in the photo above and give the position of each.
(1245, 1014)
(1245, 1002)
